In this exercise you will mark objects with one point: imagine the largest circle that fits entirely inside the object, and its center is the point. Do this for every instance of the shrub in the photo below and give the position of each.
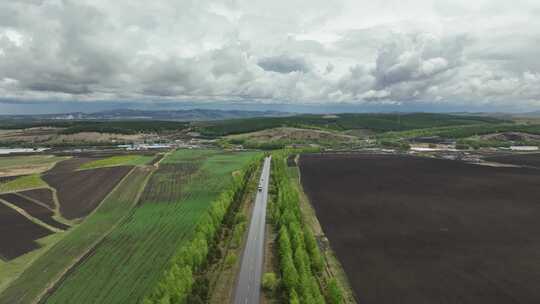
(334, 292)
(238, 235)
(230, 260)
(270, 282)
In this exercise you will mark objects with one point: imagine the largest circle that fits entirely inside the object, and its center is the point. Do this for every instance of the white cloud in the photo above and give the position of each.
(295, 51)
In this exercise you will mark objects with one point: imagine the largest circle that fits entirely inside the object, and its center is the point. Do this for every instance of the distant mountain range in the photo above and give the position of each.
(173, 115)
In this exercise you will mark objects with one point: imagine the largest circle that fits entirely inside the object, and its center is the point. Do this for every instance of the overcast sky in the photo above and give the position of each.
(478, 54)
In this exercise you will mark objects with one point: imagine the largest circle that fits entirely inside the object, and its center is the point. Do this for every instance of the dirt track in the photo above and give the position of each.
(419, 230)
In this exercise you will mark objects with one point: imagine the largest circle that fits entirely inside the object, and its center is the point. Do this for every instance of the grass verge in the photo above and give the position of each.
(23, 183)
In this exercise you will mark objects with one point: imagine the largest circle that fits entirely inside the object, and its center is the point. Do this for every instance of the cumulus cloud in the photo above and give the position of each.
(283, 64)
(278, 51)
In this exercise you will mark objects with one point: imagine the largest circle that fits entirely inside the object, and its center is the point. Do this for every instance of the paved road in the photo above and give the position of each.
(248, 288)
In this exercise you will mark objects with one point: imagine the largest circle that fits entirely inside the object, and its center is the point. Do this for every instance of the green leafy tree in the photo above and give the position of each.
(270, 282)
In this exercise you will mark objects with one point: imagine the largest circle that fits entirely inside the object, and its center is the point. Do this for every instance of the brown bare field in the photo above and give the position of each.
(97, 137)
(48, 135)
(80, 192)
(70, 165)
(18, 234)
(39, 212)
(43, 195)
(25, 165)
(422, 230)
(528, 160)
(292, 134)
(35, 135)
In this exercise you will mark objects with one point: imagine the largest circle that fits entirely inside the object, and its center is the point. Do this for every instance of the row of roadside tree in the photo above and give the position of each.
(300, 261)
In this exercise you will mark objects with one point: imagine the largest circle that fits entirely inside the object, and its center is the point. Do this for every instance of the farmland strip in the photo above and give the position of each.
(51, 266)
(80, 192)
(39, 212)
(43, 195)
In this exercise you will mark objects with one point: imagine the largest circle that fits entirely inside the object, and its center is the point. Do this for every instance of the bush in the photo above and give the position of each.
(270, 282)
(238, 235)
(240, 218)
(334, 293)
(230, 260)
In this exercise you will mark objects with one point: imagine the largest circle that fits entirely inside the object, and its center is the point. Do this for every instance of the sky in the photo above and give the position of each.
(432, 55)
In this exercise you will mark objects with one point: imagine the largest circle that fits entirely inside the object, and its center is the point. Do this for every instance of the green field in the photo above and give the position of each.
(375, 122)
(120, 160)
(128, 263)
(23, 183)
(77, 241)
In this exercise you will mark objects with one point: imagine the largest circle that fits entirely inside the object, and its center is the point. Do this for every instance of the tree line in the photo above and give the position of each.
(300, 261)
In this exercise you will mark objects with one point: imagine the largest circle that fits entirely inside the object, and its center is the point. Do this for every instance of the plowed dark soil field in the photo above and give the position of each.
(421, 231)
(17, 234)
(41, 213)
(70, 165)
(80, 192)
(43, 195)
(529, 160)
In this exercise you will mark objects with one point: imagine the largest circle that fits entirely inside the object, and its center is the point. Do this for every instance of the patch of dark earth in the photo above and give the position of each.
(413, 230)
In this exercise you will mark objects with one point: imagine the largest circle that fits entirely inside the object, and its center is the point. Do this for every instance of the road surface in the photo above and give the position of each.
(248, 288)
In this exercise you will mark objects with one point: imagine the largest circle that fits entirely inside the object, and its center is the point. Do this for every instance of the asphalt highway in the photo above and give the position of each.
(248, 288)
